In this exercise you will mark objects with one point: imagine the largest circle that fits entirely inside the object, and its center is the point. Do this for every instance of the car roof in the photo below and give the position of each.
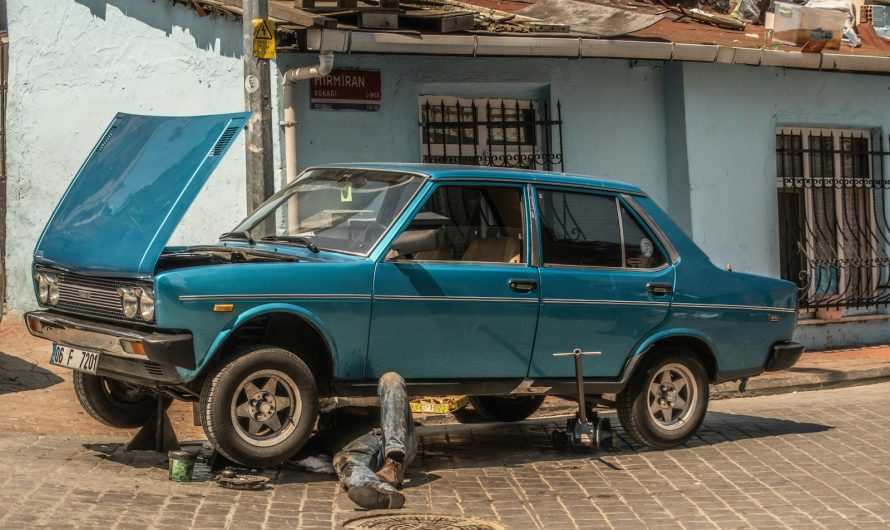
(450, 172)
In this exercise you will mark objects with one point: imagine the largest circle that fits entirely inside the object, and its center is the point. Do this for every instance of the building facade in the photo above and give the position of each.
(771, 170)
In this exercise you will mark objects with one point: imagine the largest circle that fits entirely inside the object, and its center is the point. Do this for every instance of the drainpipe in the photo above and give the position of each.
(289, 93)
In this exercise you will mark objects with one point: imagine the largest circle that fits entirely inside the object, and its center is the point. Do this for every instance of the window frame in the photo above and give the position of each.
(620, 201)
(525, 230)
(483, 145)
(807, 156)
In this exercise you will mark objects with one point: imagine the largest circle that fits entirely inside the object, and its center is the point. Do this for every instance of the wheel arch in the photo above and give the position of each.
(696, 342)
(286, 326)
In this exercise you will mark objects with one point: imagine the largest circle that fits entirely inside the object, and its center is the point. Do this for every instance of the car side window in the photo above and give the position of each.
(640, 250)
(579, 229)
(473, 224)
(585, 230)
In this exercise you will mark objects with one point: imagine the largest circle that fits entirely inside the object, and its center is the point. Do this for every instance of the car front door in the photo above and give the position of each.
(468, 308)
(605, 282)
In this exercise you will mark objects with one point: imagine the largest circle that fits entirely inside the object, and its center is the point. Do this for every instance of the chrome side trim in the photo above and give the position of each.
(605, 302)
(733, 307)
(215, 297)
(533, 226)
(413, 298)
(659, 234)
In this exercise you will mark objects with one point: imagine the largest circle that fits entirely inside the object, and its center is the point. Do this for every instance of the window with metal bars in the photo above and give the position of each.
(510, 133)
(834, 231)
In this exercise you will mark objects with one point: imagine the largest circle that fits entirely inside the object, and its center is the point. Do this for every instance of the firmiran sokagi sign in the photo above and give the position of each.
(346, 89)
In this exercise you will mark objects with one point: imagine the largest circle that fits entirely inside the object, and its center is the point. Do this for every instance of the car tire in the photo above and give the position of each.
(115, 403)
(665, 402)
(500, 408)
(259, 409)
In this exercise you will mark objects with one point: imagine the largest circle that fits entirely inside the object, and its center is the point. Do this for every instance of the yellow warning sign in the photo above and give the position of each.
(263, 38)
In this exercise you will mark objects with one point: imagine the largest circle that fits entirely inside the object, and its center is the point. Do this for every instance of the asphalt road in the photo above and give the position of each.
(806, 460)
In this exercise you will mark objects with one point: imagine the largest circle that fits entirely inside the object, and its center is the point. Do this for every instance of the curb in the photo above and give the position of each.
(794, 382)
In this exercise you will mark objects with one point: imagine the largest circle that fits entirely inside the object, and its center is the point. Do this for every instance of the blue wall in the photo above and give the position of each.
(613, 112)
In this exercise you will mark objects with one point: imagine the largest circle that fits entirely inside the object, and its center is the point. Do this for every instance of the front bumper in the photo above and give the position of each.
(126, 353)
(783, 356)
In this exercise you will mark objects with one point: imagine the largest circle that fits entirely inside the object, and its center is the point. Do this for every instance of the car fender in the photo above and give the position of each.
(265, 309)
(662, 334)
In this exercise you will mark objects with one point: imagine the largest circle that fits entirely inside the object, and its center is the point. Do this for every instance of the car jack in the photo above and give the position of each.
(157, 434)
(583, 432)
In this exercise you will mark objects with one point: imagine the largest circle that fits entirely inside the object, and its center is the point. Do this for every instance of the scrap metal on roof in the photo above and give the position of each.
(630, 29)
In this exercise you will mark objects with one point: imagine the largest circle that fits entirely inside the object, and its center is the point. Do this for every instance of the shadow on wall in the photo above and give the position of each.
(209, 32)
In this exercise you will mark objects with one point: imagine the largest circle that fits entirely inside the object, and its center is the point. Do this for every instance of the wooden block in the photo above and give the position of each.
(378, 20)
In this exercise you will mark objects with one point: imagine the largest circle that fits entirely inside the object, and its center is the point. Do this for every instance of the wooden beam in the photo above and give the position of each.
(286, 12)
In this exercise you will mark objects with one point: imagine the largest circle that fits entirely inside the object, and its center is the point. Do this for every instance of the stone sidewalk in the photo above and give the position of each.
(810, 460)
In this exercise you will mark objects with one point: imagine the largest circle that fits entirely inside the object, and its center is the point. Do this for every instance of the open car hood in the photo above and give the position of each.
(125, 201)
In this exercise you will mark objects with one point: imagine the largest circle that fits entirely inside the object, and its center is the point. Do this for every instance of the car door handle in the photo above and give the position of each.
(522, 286)
(659, 288)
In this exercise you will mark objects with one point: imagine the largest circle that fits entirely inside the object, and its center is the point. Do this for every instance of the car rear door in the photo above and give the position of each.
(605, 281)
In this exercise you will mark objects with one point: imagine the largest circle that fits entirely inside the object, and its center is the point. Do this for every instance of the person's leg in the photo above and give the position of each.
(399, 435)
(353, 466)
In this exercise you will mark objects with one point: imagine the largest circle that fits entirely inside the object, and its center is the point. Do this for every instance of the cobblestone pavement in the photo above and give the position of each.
(806, 460)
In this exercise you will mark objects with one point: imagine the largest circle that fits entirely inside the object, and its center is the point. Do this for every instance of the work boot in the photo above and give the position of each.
(392, 472)
(376, 496)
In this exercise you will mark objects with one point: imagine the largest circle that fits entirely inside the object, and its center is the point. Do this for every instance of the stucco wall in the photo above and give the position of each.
(612, 112)
(73, 65)
(731, 116)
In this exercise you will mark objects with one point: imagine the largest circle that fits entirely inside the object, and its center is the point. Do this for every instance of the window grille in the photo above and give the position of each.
(508, 133)
(834, 230)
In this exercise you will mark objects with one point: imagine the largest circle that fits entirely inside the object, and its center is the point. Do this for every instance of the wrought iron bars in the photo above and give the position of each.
(834, 231)
(518, 134)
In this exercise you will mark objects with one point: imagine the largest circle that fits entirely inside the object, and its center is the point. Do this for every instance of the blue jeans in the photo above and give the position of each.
(359, 459)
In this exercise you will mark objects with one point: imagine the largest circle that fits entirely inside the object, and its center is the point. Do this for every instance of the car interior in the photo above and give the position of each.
(473, 224)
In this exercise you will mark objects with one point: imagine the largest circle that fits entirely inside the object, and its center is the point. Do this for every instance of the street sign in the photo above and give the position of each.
(347, 89)
(263, 38)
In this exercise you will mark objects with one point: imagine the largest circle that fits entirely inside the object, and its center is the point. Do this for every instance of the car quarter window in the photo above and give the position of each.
(473, 224)
(640, 250)
(585, 230)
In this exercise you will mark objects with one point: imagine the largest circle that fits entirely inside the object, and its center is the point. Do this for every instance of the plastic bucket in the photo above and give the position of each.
(182, 465)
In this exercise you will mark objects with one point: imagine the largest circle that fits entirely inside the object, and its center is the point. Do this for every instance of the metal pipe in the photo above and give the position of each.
(289, 94)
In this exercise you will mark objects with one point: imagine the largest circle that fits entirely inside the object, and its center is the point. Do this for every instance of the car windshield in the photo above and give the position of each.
(346, 210)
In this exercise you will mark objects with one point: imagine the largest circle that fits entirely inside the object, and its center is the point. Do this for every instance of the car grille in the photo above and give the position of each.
(91, 296)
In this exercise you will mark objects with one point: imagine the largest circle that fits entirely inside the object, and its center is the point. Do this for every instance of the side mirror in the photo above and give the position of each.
(414, 241)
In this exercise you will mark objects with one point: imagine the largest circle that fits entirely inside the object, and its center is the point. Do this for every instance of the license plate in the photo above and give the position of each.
(84, 361)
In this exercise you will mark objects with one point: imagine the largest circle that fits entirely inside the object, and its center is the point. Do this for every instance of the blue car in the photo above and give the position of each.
(464, 280)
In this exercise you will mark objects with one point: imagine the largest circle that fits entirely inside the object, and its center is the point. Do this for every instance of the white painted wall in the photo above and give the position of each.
(731, 117)
(73, 65)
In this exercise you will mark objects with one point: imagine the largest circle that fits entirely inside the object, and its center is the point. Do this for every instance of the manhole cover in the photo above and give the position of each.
(414, 521)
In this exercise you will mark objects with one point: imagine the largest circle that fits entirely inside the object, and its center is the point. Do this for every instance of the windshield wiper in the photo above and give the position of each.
(239, 235)
(303, 240)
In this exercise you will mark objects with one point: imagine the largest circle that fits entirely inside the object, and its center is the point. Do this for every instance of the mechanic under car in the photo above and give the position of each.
(370, 447)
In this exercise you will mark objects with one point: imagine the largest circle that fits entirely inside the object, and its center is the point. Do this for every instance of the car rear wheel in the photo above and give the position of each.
(665, 403)
(115, 403)
(500, 408)
(259, 409)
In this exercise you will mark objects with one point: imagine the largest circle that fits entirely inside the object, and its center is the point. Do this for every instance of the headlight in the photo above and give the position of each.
(53, 289)
(42, 287)
(129, 301)
(47, 288)
(147, 304)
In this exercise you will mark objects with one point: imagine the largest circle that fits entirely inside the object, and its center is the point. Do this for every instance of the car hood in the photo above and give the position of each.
(125, 201)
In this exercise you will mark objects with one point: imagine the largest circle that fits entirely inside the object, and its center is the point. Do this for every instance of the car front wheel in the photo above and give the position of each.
(665, 403)
(259, 409)
(115, 403)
